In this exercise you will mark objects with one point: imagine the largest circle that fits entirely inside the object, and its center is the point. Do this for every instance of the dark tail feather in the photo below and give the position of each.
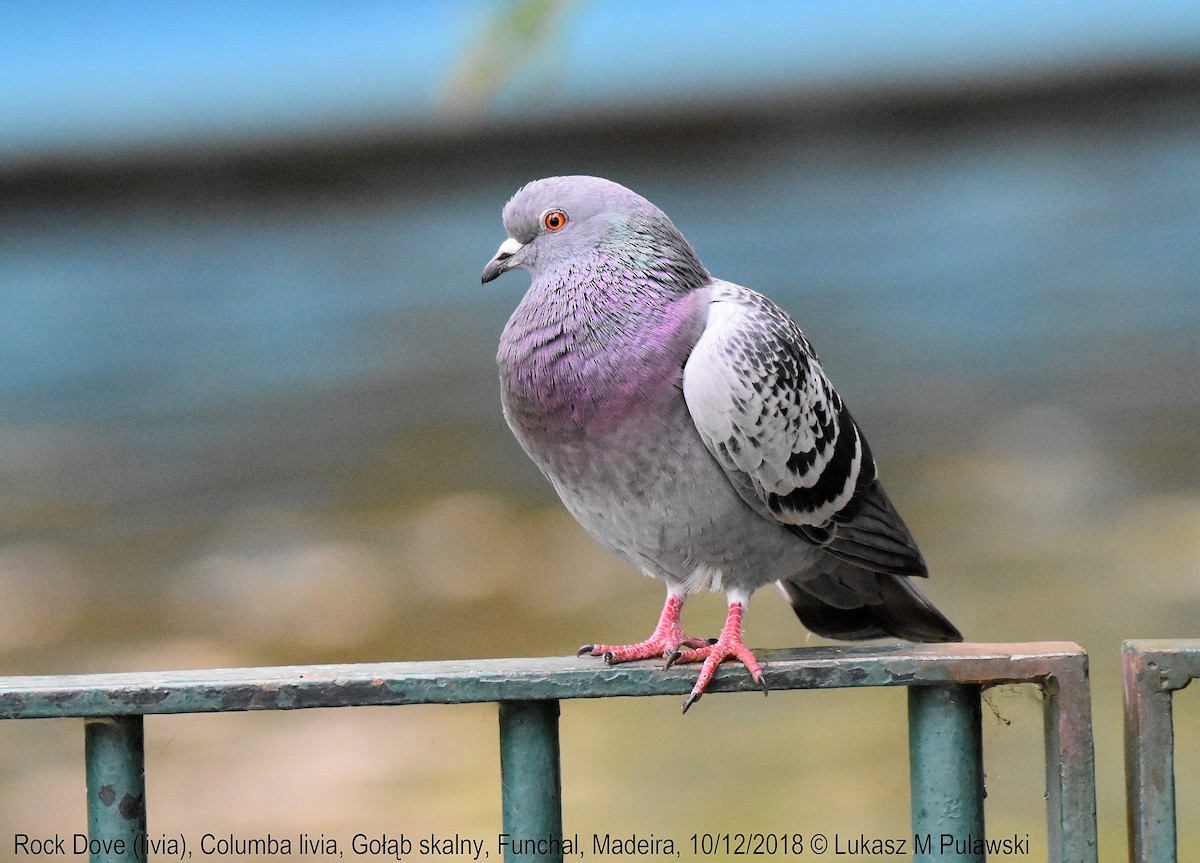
(849, 603)
(870, 534)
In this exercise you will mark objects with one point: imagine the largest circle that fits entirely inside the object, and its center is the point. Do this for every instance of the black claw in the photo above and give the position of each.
(672, 658)
(587, 648)
(713, 640)
(691, 699)
(762, 683)
(608, 657)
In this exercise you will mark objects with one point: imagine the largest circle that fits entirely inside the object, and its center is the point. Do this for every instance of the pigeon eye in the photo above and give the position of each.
(554, 220)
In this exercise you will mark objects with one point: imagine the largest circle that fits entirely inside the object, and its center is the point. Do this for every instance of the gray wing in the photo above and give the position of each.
(787, 443)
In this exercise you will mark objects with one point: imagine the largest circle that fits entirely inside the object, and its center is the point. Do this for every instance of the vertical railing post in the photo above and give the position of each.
(945, 746)
(115, 764)
(1070, 763)
(1149, 761)
(531, 781)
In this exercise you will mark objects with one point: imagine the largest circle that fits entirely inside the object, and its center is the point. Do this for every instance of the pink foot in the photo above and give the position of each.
(667, 641)
(727, 646)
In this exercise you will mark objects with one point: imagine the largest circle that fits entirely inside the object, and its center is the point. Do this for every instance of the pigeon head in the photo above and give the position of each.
(556, 221)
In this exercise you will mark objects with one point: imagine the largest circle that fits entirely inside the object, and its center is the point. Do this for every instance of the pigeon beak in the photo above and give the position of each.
(503, 261)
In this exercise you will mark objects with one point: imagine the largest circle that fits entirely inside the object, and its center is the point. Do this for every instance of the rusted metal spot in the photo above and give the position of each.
(131, 808)
(61, 698)
(348, 692)
(107, 795)
(15, 704)
(251, 698)
(142, 697)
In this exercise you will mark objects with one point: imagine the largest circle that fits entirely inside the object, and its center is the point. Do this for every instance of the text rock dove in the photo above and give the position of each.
(686, 423)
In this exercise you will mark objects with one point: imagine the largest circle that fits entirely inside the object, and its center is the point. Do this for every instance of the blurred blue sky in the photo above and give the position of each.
(85, 75)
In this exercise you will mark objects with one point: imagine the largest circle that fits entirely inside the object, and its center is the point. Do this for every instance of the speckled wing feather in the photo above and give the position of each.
(787, 443)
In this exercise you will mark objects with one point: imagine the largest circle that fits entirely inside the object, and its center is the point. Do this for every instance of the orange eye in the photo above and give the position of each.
(554, 220)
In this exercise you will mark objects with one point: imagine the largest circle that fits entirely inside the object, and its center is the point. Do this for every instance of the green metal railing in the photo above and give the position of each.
(1154, 671)
(944, 684)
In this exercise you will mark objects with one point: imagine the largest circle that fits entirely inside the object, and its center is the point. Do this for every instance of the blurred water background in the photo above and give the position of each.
(249, 414)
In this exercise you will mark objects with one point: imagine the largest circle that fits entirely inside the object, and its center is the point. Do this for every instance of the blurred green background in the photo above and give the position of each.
(249, 413)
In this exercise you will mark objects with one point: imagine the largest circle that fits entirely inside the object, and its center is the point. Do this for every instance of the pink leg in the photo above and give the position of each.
(666, 641)
(728, 645)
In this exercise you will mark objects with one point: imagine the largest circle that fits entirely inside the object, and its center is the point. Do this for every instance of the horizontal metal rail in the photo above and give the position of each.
(1154, 671)
(944, 683)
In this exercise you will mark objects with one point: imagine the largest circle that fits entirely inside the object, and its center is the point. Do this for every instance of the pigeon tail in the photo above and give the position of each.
(853, 604)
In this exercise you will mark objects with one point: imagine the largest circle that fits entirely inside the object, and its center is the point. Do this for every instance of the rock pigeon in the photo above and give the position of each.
(686, 423)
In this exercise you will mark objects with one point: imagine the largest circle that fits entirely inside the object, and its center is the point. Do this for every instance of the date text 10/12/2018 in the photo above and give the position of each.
(796, 844)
